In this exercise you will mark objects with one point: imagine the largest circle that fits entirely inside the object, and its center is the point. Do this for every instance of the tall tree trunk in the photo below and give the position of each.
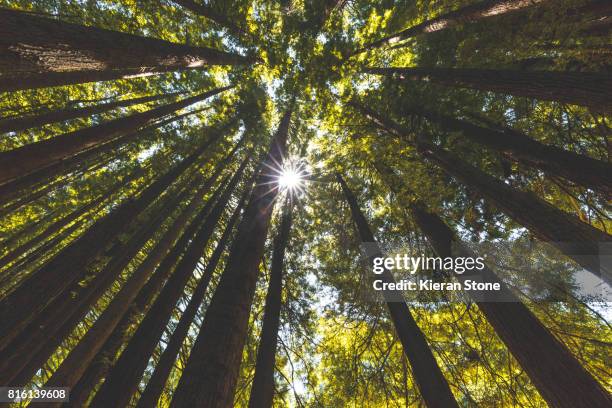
(36, 292)
(19, 123)
(101, 363)
(558, 376)
(125, 375)
(262, 391)
(577, 240)
(24, 160)
(155, 385)
(582, 170)
(61, 223)
(207, 11)
(590, 89)
(72, 309)
(54, 323)
(38, 52)
(21, 186)
(468, 14)
(210, 376)
(427, 374)
(561, 380)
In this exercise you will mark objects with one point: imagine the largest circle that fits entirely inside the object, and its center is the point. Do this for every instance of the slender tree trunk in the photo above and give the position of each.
(427, 374)
(36, 292)
(208, 12)
(155, 385)
(19, 123)
(210, 376)
(77, 306)
(54, 323)
(555, 161)
(32, 157)
(579, 241)
(561, 380)
(59, 224)
(38, 52)
(262, 391)
(125, 375)
(101, 363)
(469, 14)
(20, 186)
(589, 89)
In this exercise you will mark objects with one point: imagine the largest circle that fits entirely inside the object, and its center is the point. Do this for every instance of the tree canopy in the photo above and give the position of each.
(186, 187)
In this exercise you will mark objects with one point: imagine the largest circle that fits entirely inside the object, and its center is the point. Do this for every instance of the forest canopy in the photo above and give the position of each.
(187, 188)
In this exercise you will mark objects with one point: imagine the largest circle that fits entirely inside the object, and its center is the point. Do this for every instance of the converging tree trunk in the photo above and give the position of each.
(262, 391)
(123, 379)
(468, 14)
(98, 154)
(35, 293)
(576, 239)
(155, 385)
(18, 123)
(561, 380)
(210, 376)
(21, 161)
(427, 374)
(582, 170)
(559, 377)
(590, 89)
(37, 52)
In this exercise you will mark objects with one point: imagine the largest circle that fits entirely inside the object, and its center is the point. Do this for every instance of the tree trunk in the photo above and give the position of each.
(125, 375)
(82, 300)
(209, 378)
(102, 361)
(590, 89)
(36, 292)
(582, 170)
(38, 52)
(16, 124)
(427, 374)
(16, 187)
(59, 224)
(558, 376)
(577, 240)
(208, 12)
(469, 14)
(155, 385)
(24, 160)
(262, 391)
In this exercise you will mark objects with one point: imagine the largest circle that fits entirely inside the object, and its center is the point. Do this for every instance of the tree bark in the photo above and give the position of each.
(209, 378)
(561, 380)
(262, 391)
(582, 170)
(125, 375)
(24, 160)
(469, 14)
(16, 124)
(431, 382)
(590, 89)
(36, 292)
(155, 385)
(38, 52)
